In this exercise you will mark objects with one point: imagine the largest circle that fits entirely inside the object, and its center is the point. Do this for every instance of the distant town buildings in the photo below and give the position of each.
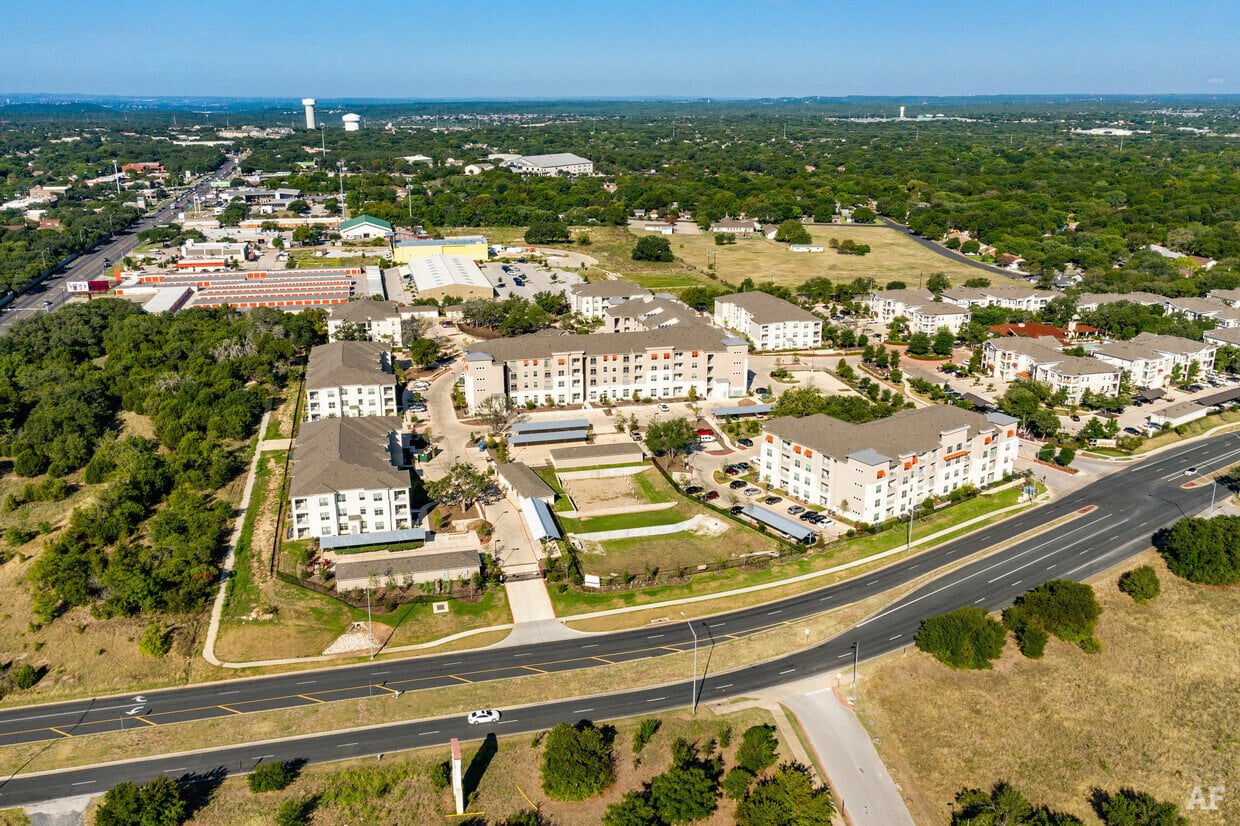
(473, 247)
(560, 163)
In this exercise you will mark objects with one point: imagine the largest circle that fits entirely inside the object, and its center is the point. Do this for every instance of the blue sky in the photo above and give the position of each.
(599, 48)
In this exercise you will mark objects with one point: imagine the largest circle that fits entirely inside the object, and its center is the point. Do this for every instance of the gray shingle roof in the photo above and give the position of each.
(348, 363)
(1079, 366)
(364, 309)
(766, 308)
(406, 564)
(524, 480)
(1170, 344)
(549, 342)
(608, 289)
(907, 432)
(352, 453)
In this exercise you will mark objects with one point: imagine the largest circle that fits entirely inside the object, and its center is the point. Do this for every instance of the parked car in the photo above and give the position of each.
(487, 715)
(752, 491)
(637, 437)
(1075, 417)
(663, 408)
(711, 495)
(793, 510)
(745, 442)
(808, 516)
(1132, 431)
(737, 485)
(732, 471)
(741, 466)
(706, 438)
(694, 490)
(735, 509)
(772, 500)
(762, 391)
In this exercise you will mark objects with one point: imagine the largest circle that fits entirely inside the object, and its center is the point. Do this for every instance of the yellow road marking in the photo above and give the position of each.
(462, 679)
(535, 670)
(311, 699)
(148, 722)
(226, 708)
(600, 659)
(58, 731)
(394, 691)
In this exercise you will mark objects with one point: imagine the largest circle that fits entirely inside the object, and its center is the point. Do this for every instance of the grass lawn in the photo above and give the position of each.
(1156, 709)
(583, 602)
(1190, 430)
(399, 790)
(306, 259)
(671, 551)
(624, 521)
(562, 502)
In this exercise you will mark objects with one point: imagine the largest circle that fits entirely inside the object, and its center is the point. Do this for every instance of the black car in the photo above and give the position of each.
(693, 490)
(772, 500)
(745, 442)
(735, 509)
(808, 516)
(738, 484)
(762, 391)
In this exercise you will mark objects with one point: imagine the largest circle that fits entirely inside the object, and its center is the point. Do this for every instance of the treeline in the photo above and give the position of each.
(201, 377)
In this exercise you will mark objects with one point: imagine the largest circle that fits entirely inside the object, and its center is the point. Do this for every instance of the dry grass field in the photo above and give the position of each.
(1156, 710)
(511, 775)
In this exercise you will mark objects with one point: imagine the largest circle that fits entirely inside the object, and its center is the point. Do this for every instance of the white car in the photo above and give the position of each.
(420, 385)
(664, 408)
(483, 716)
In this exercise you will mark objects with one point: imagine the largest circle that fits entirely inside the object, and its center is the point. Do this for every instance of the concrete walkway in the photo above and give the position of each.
(230, 560)
(864, 790)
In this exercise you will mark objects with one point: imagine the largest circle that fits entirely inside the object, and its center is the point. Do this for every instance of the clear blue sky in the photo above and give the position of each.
(600, 48)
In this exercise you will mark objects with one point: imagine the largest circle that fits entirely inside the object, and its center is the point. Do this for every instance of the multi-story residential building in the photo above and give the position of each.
(648, 314)
(924, 314)
(550, 368)
(1223, 336)
(1229, 297)
(350, 378)
(883, 469)
(350, 476)
(768, 321)
(1041, 359)
(1222, 314)
(1011, 297)
(1183, 352)
(1087, 302)
(1145, 366)
(377, 320)
(588, 300)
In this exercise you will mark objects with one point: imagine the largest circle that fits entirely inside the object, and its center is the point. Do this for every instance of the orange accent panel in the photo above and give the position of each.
(882, 474)
(955, 455)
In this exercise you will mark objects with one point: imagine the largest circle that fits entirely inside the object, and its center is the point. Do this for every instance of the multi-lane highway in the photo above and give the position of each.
(1094, 528)
(50, 293)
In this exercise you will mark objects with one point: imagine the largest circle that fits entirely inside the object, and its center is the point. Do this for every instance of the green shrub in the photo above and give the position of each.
(646, 729)
(156, 641)
(157, 803)
(683, 794)
(789, 796)
(965, 638)
(633, 809)
(737, 782)
(1065, 457)
(25, 677)
(1128, 807)
(757, 749)
(1141, 584)
(577, 761)
(440, 774)
(1067, 609)
(270, 777)
(1205, 551)
(1032, 642)
(296, 811)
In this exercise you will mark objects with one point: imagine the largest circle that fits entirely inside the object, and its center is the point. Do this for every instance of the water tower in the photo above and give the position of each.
(309, 104)
(352, 122)
(901, 113)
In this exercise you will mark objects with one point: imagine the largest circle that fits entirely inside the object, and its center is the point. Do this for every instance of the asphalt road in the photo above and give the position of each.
(1114, 518)
(91, 264)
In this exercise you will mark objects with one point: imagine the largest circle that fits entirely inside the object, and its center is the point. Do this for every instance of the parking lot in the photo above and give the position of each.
(526, 280)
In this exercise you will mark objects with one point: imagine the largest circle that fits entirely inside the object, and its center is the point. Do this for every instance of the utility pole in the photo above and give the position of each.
(340, 177)
(116, 176)
(912, 510)
(852, 696)
(370, 626)
(693, 692)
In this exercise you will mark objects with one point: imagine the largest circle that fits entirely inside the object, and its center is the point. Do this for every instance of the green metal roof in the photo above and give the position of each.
(365, 219)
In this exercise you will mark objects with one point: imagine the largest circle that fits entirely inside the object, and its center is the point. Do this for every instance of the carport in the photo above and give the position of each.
(789, 527)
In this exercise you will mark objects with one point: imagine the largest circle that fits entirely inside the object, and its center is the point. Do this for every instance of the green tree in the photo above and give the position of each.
(577, 761)
(1065, 456)
(938, 282)
(270, 777)
(864, 215)
(683, 794)
(652, 248)
(736, 783)
(1069, 610)
(964, 638)
(792, 231)
(758, 748)
(919, 344)
(25, 676)
(155, 640)
(156, 803)
(424, 351)
(1141, 583)
(634, 809)
(461, 486)
(788, 798)
(977, 283)
(1129, 807)
(944, 341)
(1205, 551)
(546, 232)
(1004, 806)
(298, 206)
(673, 437)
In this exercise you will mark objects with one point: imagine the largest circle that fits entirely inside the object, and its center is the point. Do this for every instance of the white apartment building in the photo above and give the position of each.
(768, 321)
(350, 378)
(1221, 313)
(1145, 366)
(1087, 302)
(548, 368)
(1041, 359)
(648, 314)
(1183, 352)
(924, 314)
(1229, 297)
(380, 320)
(559, 163)
(590, 299)
(883, 469)
(1223, 336)
(350, 476)
(1011, 297)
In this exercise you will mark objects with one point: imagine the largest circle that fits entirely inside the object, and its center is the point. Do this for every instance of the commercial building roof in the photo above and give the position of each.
(416, 563)
(459, 240)
(365, 219)
(548, 437)
(435, 272)
(553, 160)
(358, 540)
(364, 309)
(765, 308)
(349, 363)
(522, 478)
(539, 520)
(352, 453)
(549, 342)
(791, 527)
(168, 300)
(907, 432)
(543, 427)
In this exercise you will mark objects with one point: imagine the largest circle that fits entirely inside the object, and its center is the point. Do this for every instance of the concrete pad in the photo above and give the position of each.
(530, 633)
(529, 601)
(67, 811)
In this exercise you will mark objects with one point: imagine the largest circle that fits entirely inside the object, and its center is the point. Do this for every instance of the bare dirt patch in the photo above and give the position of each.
(612, 492)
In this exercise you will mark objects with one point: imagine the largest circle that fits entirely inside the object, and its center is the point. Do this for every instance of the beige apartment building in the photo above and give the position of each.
(350, 378)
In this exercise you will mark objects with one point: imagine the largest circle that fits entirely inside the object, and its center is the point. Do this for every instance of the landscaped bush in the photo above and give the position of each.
(790, 796)
(577, 761)
(965, 638)
(1206, 551)
(757, 750)
(270, 777)
(646, 729)
(1067, 609)
(155, 640)
(157, 803)
(736, 783)
(1141, 584)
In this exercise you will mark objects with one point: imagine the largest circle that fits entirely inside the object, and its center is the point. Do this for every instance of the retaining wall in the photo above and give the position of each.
(602, 472)
(650, 530)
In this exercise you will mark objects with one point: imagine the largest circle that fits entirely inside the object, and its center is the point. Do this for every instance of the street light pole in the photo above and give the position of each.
(693, 694)
(370, 626)
(856, 646)
(908, 546)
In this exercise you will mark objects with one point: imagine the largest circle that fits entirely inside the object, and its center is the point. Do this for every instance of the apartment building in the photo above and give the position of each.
(771, 323)
(1229, 297)
(924, 314)
(350, 476)
(1010, 297)
(550, 368)
(1041, 359)
(1212, 309)
(350, 378)
(1183, 352)
(1087, 302)
(648, 313)
(1223, 336)
(590, 299)
(377, 320)
(1145, 366)
(883, 469)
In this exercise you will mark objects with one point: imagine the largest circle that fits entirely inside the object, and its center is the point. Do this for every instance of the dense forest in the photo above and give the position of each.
(202, 378)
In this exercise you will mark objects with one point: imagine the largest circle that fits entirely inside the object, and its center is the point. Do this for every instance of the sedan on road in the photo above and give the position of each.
(482, 716)
(663, 408)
